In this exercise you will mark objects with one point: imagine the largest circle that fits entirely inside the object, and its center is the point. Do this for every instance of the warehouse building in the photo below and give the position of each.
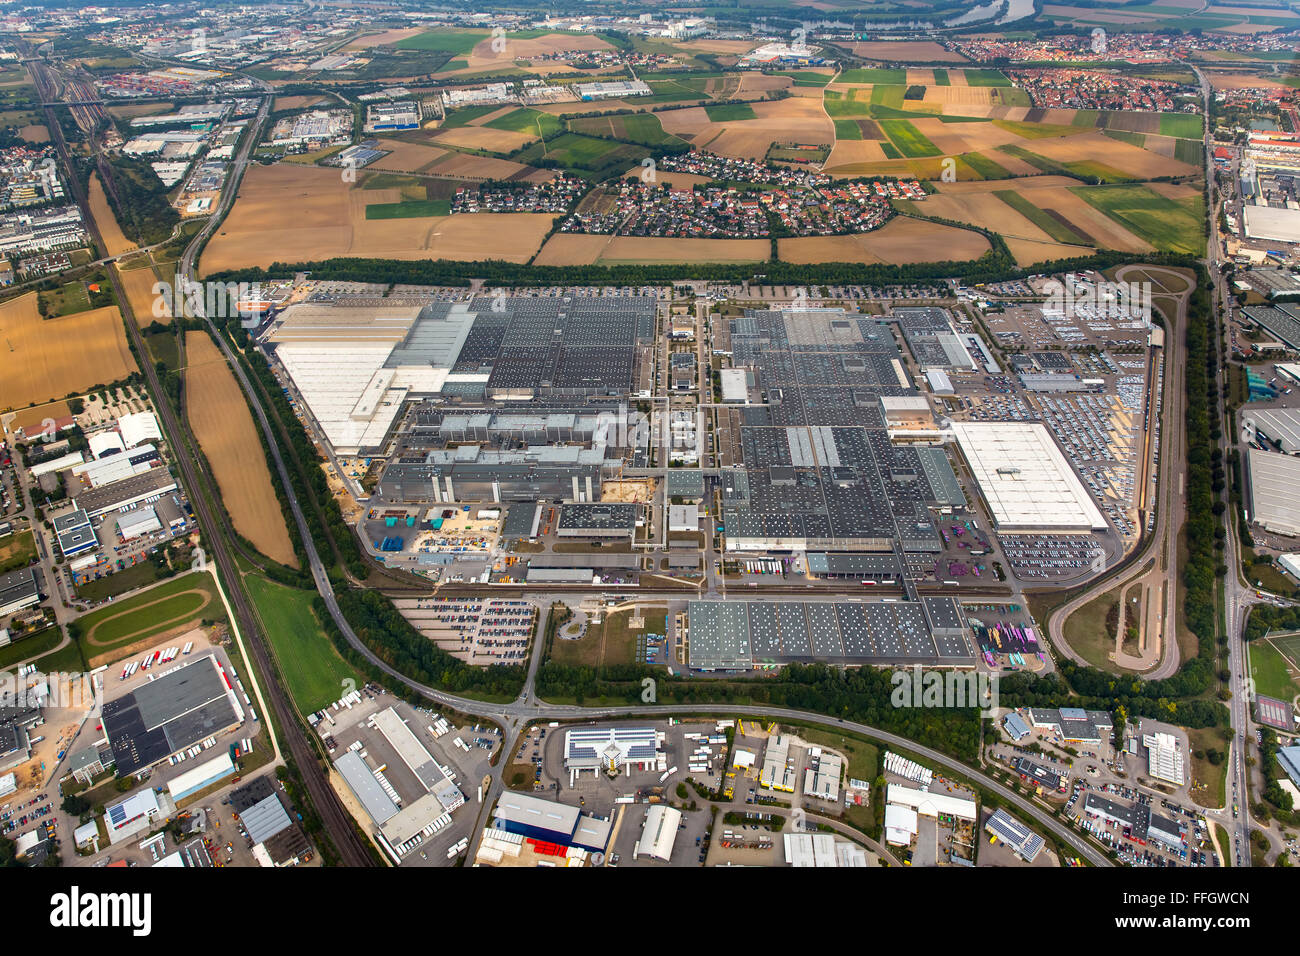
(1288, 758)
(74, 533)
(1039, 775)
(1281, 426)
(822, 850)
(778, 771)
(1074, 724)
(607, 520)
(122, 494)
(203, 775)
(170, 713)
(1271, 480)
(18, 591)
(1025, 479)
(1164, 758)
(1024, 842)
(659, 832)
(931, 804)
(550, 822)
(740, 635)
(822, 778)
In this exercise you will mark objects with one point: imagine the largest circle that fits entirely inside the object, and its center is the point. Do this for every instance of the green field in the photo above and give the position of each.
(311, 666)
(532, 122)
(1124, 136)
(890, 150)
(466, 115)
(642, 128)
(874, 75)
(17, 551)
(42, 642)
(1182, 125)
(1036, 130)
(891, 96)
(836, 108)
(806, 79)
(1082, 169)
(1268, 668)
(986, 78)
(573, 149)
(1055, 228)
(1189, 151)
(730, 112)
(941, 78)
(1169, 225)
(910, 141)
(984, 166)
(443, 41)
(152, 612)
(847, 129)
(414, 209)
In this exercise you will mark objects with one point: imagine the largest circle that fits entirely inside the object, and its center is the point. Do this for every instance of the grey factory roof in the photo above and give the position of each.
(366, 788)
(1272, 480)
(735, 635)
(170, 713)
(265, 819)
(603, 516)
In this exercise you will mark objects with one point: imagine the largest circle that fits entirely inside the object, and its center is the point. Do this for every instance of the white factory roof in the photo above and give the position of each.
(735, 385)
(1266, 222)
(139, 428)
(1280, 424)
(900, 824)
(1273, 479)
(1025, 478)
(201, 775)
(822, 850)
(660, 832)
(931, 804)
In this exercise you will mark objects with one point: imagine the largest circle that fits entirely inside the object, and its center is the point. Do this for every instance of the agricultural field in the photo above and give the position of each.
(312, 668)
(224, 427)
(643, 128)
(1170, 224)
(919, 51)
(330, 220)
(115, 241)
(1046, 220)
(901, 241)
(409, 209)
(47, 359)
(793, 120)
(577, 249)
(138, 284)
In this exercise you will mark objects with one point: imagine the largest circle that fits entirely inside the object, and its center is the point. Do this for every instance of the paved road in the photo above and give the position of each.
(1162, 543)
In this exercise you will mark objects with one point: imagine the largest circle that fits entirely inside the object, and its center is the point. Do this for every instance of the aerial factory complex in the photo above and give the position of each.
(674, 437)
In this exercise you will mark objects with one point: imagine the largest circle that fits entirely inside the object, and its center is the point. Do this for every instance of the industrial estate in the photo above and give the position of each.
(802, 436)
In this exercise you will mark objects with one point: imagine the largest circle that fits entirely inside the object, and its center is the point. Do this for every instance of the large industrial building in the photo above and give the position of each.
(659, 832)
(1271, 480)
(550, 822)
(1024, 842)
(1025, 479)
(356, 362)
(176, 710)
(741, 635)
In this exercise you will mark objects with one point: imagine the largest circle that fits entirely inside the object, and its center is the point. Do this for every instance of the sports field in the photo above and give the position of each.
(179, 604)
(224, 427)
(1274, 667)
(45, 359)
(309, 662)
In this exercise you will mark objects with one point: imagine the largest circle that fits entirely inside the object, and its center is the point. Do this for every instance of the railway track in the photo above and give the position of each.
(352, 849)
